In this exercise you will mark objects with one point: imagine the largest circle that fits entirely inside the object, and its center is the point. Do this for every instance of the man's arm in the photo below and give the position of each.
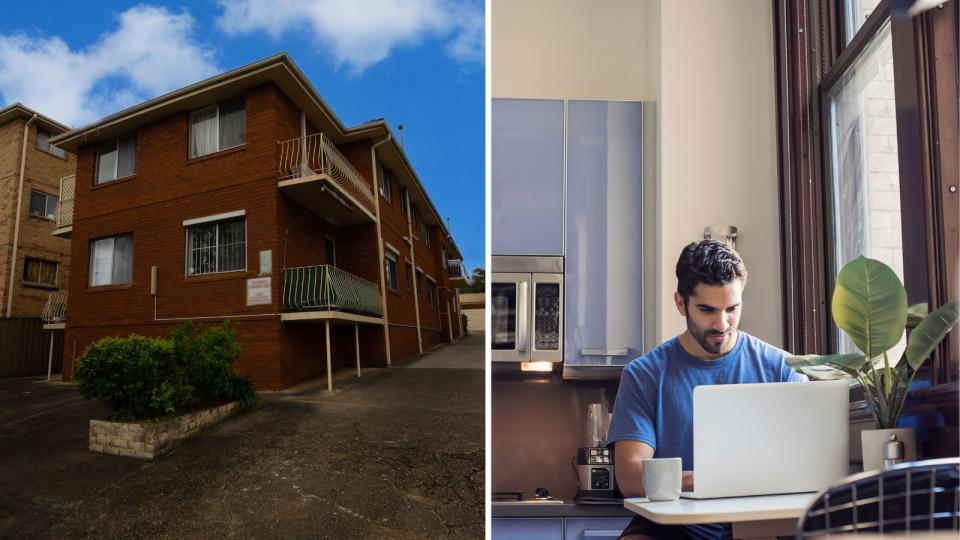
(629, 456)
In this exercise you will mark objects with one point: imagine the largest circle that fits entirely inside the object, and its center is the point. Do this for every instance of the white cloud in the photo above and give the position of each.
(152, 51)
(360, 34)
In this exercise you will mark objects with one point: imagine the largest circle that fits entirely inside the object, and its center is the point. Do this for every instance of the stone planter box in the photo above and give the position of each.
(151, 440)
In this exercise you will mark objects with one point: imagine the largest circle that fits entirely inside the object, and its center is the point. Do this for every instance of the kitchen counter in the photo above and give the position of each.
(525, 509)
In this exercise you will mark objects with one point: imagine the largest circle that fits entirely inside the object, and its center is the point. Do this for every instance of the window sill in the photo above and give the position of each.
(108, 288)
(219, 276)
(43, 286)
(123, 180)
(41, 218)
(219, 153)
(64, 158)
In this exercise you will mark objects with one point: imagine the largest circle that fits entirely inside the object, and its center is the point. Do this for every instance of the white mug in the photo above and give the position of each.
(662, 478)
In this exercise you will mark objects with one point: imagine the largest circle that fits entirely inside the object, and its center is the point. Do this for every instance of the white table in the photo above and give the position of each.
(765, 516)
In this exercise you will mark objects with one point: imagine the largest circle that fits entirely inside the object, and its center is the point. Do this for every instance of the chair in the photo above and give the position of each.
(916, 496)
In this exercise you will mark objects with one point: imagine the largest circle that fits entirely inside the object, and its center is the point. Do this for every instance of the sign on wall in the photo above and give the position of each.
(258, 291)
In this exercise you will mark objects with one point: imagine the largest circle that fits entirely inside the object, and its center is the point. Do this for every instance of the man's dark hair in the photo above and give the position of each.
(709, 261)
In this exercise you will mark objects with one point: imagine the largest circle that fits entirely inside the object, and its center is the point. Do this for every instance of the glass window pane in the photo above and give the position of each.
(48, 273)
(127, 158)
(43, 139)
(231, 244)
(31, 271)
(864, 169)
(51, 208)
(107, 161)
(38, 203)
(856, 13)
(101, 261)
(122, 259)
(233, 124)
(203, 132)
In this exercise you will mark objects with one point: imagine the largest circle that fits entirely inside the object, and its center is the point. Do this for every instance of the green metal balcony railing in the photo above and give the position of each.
(325, 287)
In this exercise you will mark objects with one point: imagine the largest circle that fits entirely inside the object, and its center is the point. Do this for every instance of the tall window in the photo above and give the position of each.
(432, 293)
(330, 251)
(40, 272)
(385, 180)
(111, 260)
(217, 128)
(43, 143)
(864, 175)
(43, 205)
(217, 246)
(424, 232)
(390, 270)
(116, 158)
(405, 201)
(408, 275)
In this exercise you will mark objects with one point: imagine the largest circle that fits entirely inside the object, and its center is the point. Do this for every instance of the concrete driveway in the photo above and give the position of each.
(396, 454)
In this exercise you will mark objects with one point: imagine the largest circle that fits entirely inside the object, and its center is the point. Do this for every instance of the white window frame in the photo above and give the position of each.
(56, 273)
(116, 164)
(387, 259)
(187, 223)
(433, 295)
(385, 190)
(112, 255)
(46, 205)
(216, 130)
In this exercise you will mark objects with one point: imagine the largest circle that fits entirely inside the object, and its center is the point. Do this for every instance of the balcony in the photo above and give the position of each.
(65, 207)
(457, 272)
(54, 313)
(315, 173)
(326, 292)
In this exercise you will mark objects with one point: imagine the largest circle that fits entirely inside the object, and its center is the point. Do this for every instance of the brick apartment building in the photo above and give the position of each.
(243, 197)
(33, 262)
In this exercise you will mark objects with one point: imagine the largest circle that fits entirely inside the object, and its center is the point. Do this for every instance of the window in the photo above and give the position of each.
(443, 257)
(424, 232)
(43, 205)
(432, 292)
(864, 176)
(419, 283)
(40, 272)
(330, 251)
(43, 143)
(385, 190)
(390, 267)
(111, 260)
(405, 201)
(217, 128)
(856, 13)
(408, 274)
(116, 158)
(217, 246)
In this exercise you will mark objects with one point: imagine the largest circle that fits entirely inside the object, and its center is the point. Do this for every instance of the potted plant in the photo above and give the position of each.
(870, 305)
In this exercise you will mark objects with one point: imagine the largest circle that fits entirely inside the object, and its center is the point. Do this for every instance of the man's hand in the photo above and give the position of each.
(629, 456)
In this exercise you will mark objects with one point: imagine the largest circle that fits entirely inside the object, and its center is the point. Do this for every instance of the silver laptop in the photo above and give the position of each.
(767, 439)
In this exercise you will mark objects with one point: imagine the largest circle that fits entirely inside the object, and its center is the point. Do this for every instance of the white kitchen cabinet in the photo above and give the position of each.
(605, 248)
(527, 177)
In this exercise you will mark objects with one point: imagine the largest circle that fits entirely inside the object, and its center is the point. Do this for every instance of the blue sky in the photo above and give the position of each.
(414, 62)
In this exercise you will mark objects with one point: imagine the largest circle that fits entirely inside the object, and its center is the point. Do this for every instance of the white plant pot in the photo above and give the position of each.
(872, 441)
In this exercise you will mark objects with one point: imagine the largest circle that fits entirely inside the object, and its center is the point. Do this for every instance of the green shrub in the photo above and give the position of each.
(136, 378)
(463, 323)
(149, 379)
(206, 357)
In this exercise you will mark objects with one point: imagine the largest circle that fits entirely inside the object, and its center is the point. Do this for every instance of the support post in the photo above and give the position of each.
(50, 356)
(356, 340)
(329, 363)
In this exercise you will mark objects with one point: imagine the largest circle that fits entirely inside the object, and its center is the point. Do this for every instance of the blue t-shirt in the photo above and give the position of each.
(655, 402)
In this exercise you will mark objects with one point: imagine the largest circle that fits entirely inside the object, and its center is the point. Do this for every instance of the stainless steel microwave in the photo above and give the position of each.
(526, 309)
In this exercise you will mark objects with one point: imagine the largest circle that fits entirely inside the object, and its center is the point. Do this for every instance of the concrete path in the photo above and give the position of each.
(396, 454)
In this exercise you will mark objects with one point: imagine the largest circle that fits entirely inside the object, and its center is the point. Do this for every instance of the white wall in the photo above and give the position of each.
(710, 67)
(718, 139)
(574, 49)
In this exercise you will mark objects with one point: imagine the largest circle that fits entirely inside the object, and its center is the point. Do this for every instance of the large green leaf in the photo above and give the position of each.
(930, 332)
(848, 363)
(916, 313)
(870, 305)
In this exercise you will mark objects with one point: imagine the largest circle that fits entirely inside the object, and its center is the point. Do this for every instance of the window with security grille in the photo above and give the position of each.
(218, 246)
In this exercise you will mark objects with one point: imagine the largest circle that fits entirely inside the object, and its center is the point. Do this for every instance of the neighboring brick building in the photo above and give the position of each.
(244, 198)
(32, 261)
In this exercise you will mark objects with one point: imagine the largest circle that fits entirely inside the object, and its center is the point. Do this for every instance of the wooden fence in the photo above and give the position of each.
(25, 347)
